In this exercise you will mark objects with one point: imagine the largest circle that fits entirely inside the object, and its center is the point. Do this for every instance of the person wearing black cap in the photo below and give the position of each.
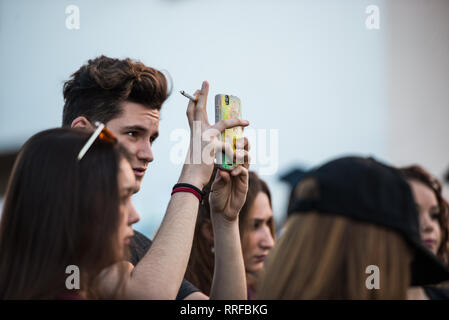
(292, 178)
(353, 234)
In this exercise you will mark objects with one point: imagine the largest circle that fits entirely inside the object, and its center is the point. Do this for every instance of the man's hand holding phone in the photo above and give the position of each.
(205, 141)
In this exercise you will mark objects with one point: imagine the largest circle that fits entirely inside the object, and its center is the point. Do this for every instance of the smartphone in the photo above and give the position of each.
(228, 107)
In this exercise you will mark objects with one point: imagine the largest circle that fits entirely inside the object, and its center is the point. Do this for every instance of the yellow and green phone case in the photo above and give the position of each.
(228, 107)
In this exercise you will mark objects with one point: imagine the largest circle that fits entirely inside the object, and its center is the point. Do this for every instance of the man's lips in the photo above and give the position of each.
(139, 172)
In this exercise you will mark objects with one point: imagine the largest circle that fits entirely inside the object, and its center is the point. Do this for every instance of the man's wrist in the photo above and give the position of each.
(187, 176)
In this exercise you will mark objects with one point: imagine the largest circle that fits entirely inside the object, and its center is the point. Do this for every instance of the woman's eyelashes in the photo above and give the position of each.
(257, 223)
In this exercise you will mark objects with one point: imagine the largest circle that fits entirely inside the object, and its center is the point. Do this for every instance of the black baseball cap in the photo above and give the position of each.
(293, 176)
(367, 190)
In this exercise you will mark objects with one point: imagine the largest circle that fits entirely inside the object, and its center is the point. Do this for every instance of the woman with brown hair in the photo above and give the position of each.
(353, 234)
(257, 233)
(67, 208)
(434, 223)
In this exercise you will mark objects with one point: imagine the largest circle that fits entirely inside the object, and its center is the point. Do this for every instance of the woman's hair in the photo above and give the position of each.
(323, 256)
(201, 264)
(58, 212)
(421, 175)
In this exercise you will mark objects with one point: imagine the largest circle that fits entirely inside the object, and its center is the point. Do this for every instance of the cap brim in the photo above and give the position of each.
(426, 268)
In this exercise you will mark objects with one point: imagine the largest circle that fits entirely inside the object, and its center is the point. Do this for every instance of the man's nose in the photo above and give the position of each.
(145, 152)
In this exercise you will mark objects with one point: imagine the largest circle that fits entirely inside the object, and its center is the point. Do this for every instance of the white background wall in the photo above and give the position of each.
(309, 69)
(418, 83)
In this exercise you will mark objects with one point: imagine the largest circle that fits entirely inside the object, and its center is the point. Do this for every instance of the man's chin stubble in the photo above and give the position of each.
(138, 185)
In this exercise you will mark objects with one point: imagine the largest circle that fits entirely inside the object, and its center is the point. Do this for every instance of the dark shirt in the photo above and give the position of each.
(139, 245)
(437, 293)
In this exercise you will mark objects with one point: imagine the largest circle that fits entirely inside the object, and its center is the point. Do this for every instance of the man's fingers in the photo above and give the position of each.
(200, 106)
(215, 149)
(191, 108)
(220, 146)
(239, 156)
(242, 152)
(243, 143)
(196, 93)
(226, 148)
(240, 171)
(222, 125)
(242, 157)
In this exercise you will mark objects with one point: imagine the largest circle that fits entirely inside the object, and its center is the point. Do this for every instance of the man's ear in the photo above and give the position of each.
(81, 122)
(207, 231)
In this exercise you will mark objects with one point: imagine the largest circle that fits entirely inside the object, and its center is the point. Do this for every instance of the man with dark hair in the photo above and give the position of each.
(127, 97)
(124, 95)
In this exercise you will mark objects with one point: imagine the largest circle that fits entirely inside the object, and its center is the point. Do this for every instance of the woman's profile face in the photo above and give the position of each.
(429, 213)
(257, 239)
(128, 214)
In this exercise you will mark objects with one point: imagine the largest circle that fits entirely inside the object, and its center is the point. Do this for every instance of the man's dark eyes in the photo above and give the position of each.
(132, 133)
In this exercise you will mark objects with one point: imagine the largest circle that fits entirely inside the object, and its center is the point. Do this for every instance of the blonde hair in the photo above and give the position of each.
(322, 256)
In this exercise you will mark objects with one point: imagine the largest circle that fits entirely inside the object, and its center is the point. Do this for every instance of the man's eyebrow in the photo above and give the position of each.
(135, 128)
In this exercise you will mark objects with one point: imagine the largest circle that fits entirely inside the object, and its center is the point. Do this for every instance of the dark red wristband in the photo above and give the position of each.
(187, 189)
